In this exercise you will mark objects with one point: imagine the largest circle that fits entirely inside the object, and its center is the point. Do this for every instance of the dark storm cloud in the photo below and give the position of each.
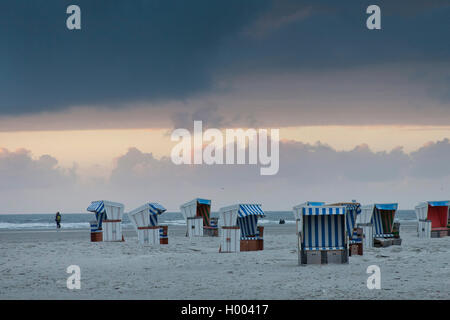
(126, 50)
(327, 35)
(137, 51)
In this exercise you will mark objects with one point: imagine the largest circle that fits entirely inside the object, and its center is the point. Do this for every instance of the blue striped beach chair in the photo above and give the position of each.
(98, 207)
(145, 221)
(381, 223)
(108, 216)
(322, 233)
(352, 210)
(355, 241)
(383, 219)
(244, 219)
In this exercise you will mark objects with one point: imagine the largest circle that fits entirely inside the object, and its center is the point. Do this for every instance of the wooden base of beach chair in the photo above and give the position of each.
(210, 232)
(163, 235)
(252, 245)
(355, 249)
(381, 242)
(96, 236)
(439, 233)
(324, 257)
(260, 244)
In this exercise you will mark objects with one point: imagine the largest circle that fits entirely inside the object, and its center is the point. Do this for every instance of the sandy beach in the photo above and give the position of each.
(33, 266)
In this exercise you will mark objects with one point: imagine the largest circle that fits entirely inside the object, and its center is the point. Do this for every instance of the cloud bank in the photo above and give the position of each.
(307, 172)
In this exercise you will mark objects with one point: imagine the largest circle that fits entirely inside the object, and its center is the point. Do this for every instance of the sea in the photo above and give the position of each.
(81, 220)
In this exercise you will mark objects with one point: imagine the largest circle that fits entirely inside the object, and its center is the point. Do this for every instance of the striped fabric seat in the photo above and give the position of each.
(204, 211)
(161, 233)
(251, 238)
(213, 224)
(352, 212)
(383, 221)
(324, 248)
(324, 228)
(384, 235)
(94, 226)
(323, 232)
(248, 225)
(247, 220)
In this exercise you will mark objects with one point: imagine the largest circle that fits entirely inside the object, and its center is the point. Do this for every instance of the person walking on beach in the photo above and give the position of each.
(58, 220)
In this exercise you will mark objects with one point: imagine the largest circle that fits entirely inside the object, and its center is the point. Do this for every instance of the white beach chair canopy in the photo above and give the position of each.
(104, 210)
(147, 214)
(189, 209)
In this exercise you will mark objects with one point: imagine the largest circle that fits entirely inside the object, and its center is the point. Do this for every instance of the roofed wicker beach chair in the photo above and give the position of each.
(385, 232)
(321, 233)
(108, 216)
(197, 214)
(433, 219)
(239, 228)
(355, 234)
(145, 221)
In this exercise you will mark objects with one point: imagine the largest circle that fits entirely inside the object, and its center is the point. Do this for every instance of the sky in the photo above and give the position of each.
(87, 114)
